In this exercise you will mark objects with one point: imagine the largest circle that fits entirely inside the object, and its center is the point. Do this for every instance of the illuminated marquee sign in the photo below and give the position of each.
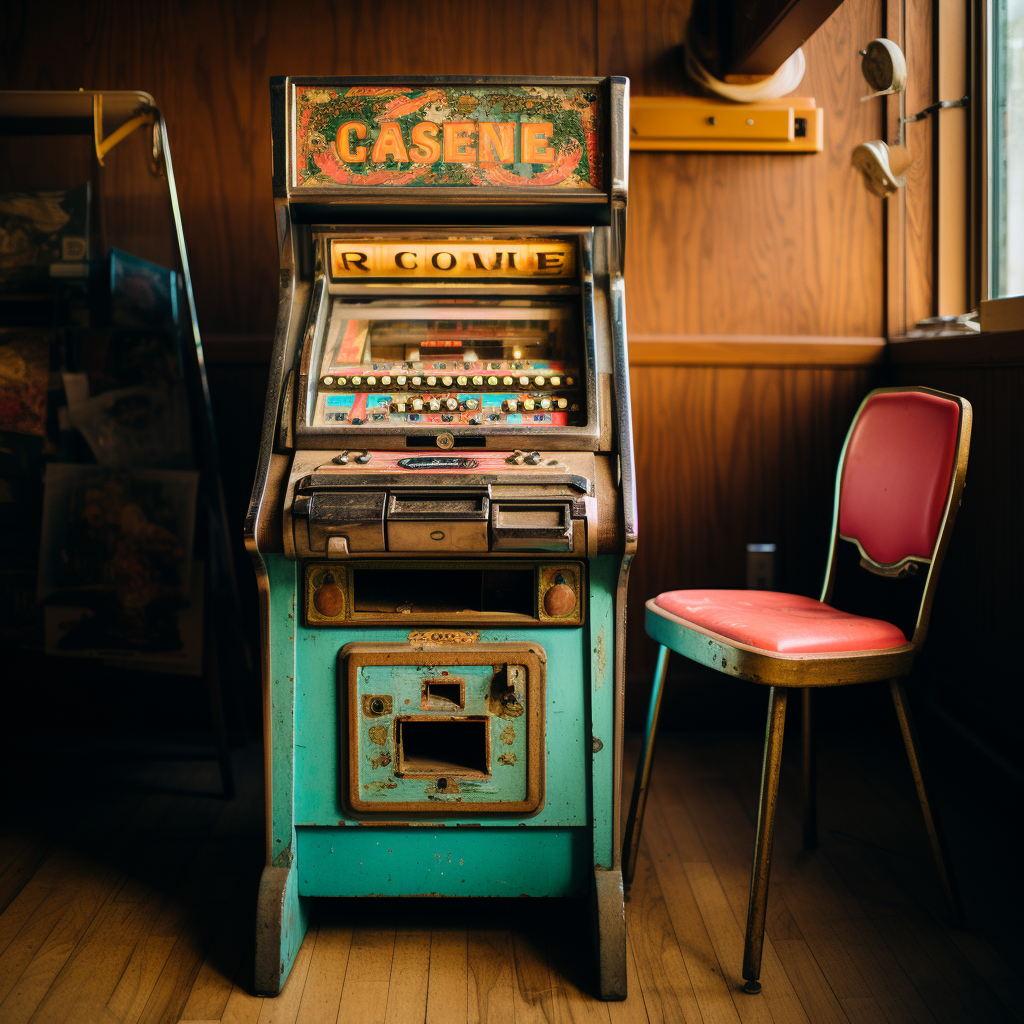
(507, 136)
(352, 258)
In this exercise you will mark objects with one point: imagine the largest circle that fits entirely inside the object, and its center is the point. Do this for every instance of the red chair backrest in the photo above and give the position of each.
(897, 474)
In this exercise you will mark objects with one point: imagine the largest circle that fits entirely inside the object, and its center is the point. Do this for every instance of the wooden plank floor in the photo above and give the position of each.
(127, 895)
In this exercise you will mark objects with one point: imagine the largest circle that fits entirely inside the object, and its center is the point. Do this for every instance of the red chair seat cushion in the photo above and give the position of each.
(783, 623)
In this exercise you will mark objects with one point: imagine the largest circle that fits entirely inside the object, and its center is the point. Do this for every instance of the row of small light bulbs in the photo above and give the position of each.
(478, 381)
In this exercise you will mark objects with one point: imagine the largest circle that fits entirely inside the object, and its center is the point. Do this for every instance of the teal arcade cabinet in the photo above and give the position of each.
(444, 511)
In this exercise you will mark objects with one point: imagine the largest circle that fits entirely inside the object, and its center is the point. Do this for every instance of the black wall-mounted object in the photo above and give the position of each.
(753, 37)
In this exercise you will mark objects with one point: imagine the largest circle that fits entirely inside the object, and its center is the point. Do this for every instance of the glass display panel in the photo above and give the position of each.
(515, 362)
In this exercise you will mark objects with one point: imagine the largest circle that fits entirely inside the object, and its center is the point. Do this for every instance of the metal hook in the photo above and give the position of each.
(921, 115)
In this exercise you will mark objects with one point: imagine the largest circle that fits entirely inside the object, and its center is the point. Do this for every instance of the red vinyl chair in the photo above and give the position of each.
(901, 474)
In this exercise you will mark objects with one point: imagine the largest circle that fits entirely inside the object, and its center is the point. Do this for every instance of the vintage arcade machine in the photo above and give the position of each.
(444, 511)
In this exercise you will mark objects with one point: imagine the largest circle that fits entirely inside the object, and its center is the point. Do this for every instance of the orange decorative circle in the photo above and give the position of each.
(559, 601)
(329, 600)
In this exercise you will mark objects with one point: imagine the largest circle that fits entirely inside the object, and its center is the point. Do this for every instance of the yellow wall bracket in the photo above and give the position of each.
(787, 125)
(105, 145)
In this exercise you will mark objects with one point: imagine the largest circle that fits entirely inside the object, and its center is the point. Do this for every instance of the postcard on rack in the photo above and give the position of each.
(118, 544)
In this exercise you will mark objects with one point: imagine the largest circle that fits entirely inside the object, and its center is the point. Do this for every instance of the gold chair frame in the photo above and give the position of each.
(781, 673)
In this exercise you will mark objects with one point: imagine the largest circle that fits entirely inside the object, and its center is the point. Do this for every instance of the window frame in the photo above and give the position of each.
(991, 307)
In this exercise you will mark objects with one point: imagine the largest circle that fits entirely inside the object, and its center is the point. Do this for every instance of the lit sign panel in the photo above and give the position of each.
(509, 136)
(352, 258)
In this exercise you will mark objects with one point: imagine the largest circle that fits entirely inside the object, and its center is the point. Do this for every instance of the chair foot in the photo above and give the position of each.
(635, 819)
(757, 908)
(752, 988)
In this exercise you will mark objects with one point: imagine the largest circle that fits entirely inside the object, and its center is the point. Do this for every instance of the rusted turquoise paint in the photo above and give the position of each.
(328, 852)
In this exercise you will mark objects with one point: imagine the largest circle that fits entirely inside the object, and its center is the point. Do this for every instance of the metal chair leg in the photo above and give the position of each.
(942, 860)
(770, 766)
(810, 767)
(635, 820)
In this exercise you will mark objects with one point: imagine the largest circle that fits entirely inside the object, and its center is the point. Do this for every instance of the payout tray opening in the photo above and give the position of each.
(431, 592)
(441, 747)
(456, 592)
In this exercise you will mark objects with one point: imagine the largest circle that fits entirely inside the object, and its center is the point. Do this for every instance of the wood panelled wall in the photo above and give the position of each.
(753, 244)
(737, 245)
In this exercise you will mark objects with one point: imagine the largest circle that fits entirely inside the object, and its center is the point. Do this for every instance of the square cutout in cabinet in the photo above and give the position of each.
(462, 733)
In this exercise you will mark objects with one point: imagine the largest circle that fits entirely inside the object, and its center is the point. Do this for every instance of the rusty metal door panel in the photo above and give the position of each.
(321, 762)
(443, 731)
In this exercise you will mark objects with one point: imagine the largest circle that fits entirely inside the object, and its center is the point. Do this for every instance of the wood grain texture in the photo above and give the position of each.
(753, 350)
(726, 457)
(491, 977)
(910, 215)
(448, 991)
(747, 245)
(365, 995)
(752, 244)
(321, 995)
(208, 67)
(855, 931)
(718, 244)
(659, 963)
(712, 990)
(920, 189)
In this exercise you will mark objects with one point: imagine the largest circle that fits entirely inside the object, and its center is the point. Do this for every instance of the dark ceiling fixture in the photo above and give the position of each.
(753, 37)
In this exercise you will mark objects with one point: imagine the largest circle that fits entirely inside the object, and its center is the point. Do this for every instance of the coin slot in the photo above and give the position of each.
(439, 506)
(440, 747)
(460, 441)
(531, 527)
(444, 694)
(444, 521)
(533, 517)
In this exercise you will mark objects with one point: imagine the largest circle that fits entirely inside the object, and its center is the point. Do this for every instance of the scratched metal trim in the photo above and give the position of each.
(416, 479)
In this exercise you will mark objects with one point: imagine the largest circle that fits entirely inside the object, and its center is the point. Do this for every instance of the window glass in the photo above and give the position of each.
(1006, 268)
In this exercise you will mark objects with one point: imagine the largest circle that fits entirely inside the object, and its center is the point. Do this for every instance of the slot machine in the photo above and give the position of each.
(444, 510)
